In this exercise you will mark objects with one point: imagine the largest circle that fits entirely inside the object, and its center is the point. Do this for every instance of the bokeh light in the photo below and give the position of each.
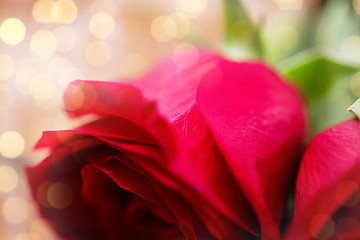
(12, 31)
(15, 209)
(41, 11)
(59, 195)
(67, 75)
(23, 77)
(42, 87)
(287, 33)
(133, 66)
(102, 25)
(46, 104)
(349, 186)
(174, 26)
(7, 67)
(324, 232)
(289, 4)
(348, 228)
(106, 6)
(8, 178)
(56, 65)
(41, 193)
(12, 144)
(282, 38)
(353, 200)
(7, 97)
(28, 236)
(75, 99)
(192, 8)
(163, 28)
(182, 24)
(43, 43)
(66, 38)
(98, 53)
(64, 11)
(351, 47)
(41, 228)
(131, 29)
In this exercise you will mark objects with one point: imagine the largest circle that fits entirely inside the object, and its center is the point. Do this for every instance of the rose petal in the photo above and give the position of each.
(81, 152)
(116, 127)
(75, 154)
(214, 185)
(109, 200)
(258, 122)
(111, 187)
(107, 107)
(183, 213)
(146, 156)
(123, 101)
(125, 178)
(54, 139)
(174, 87)
(328, 176)
(70, 216)
(175, 91)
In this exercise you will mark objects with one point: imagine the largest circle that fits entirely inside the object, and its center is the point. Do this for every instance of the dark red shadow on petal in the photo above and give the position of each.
(73, 152)
(127, 204)
(57, 188)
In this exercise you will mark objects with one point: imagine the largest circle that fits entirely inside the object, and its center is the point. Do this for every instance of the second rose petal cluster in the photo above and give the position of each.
(206, 150)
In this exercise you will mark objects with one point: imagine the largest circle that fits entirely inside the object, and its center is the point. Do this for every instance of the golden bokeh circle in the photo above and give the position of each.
(12, 144)
(12, 31)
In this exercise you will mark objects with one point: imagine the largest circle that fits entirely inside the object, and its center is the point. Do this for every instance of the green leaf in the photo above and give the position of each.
(337, 22)
(242, 37)
(323, 75)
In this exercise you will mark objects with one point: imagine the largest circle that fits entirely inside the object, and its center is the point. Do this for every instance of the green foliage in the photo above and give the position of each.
(323, 76)
(242, 36)
(336, 22)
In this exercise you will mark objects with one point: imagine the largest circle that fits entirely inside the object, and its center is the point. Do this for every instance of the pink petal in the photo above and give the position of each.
(174, 87)
(328, 176)
(117, 127)
(116, 99)
(210, 181)
(258, 122)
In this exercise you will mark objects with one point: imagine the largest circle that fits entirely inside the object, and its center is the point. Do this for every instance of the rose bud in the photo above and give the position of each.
(200, 148)
(327, 197)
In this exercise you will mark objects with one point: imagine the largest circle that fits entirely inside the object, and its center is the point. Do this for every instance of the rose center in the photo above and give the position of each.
(145, 217)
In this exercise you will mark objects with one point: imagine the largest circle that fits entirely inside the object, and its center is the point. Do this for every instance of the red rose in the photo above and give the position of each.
(327, 200)
(200, 150)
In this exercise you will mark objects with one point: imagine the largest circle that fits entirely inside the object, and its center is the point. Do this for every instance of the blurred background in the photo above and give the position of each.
(45, 44)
